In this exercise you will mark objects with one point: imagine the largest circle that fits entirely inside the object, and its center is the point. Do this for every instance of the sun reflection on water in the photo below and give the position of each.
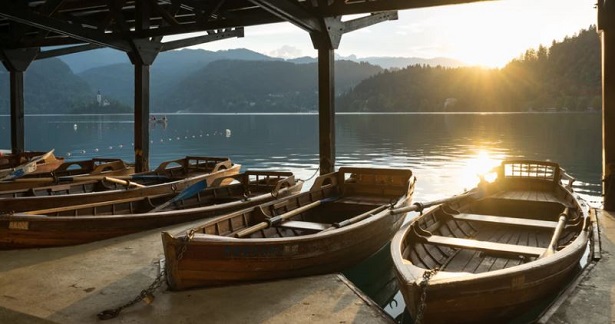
(480, 165)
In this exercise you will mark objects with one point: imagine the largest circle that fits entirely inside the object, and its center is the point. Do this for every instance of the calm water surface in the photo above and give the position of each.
(445, 151)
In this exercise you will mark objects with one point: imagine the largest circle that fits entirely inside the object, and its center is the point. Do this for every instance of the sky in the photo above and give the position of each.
(488, 33)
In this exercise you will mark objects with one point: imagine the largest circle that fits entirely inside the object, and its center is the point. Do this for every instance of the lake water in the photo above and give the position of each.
(445, 151)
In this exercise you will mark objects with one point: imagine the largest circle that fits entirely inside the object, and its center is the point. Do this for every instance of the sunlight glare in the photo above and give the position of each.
(480, 165)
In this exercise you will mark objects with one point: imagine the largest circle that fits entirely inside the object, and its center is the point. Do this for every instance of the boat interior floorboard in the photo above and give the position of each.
(473, 261)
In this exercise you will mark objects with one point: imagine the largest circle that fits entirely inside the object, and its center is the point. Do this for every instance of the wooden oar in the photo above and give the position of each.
(420, 206)
(26, 168)
(561, 224)
(414, 207)
(278, 219)
(123, 182)
(356, 219)
(184, 194)
(85, 177)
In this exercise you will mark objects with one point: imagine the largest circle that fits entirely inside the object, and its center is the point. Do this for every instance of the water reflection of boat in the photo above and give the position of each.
(493, 257)
(375, 277)
(343, 219)
(159, 120)
(72, 225)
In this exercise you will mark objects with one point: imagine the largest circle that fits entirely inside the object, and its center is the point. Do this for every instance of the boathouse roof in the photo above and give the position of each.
(69, 26)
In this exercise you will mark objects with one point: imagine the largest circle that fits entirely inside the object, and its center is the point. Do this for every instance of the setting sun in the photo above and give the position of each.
(491, 34)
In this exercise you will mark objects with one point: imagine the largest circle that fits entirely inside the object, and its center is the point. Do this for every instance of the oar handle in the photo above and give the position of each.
(123, 182)
(356, 219)
(276, 220)
(561, 224)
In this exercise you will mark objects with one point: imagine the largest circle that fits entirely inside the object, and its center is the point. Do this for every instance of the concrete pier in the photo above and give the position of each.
(591, 299)
(74, 284)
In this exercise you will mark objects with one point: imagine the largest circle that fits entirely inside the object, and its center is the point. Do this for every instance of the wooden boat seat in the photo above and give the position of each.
(292, 224)
(532, 195)
(489, 247)
(505, 220)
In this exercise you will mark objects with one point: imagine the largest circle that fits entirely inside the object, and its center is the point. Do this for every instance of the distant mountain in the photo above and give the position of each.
(169, 68)
(79, 62)
(402, 62)
(259, 86)
(182, 60)
(49, 87)
(194, 80)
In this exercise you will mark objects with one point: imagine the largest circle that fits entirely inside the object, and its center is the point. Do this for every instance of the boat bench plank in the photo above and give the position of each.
(485, 246)
(506, 220)
(292, 224)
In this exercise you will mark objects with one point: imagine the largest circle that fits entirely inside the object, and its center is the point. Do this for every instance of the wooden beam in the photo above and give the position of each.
(66, 50)
(214, 36)
(352, 7)
(141, 117)
(17, 61)
(17, 112)
(28, 17)
(606, 24)
(366, 21)
(292, 12)
(326, 109)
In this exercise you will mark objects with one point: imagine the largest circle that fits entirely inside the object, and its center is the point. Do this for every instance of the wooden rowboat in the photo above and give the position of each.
(14, 166)
(92, 222)
(170, 177)
(496, 251)
(340, 221)
(75, 169)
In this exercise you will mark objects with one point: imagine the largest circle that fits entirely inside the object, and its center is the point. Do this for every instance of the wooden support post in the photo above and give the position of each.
(141, 117)
(16, 62)
(326, 109)
(142, 56)
(606, 25)
(17, 113)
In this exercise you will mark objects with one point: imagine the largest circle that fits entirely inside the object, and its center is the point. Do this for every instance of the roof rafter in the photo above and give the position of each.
(27, 17)
(292, 12)
(351, 7)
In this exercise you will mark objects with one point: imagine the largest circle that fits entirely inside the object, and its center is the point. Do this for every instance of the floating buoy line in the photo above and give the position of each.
(164, 139)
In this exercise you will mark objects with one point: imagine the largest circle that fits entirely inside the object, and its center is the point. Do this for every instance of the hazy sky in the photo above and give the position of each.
(490, 33)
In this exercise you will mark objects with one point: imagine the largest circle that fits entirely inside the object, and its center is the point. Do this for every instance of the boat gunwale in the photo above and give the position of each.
(25, 216)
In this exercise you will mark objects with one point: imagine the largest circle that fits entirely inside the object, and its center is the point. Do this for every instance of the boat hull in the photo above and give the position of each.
(172, 180)
(212, 259)
(250, 260)
(492, 258)
(73, 169)
(18, 231)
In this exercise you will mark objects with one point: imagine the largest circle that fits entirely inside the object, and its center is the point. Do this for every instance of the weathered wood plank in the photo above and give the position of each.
(312, 226)
(490, 247)
(506, 220)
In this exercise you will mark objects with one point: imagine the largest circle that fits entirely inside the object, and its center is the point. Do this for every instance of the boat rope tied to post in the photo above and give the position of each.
(424, 284)
(146, 295)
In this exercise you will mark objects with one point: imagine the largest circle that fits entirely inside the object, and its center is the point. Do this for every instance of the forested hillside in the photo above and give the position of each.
(565, 76)
(169, 68)
(49, 87)
(259, 86)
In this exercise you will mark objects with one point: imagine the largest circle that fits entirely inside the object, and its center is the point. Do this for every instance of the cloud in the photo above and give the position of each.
(286, 52)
